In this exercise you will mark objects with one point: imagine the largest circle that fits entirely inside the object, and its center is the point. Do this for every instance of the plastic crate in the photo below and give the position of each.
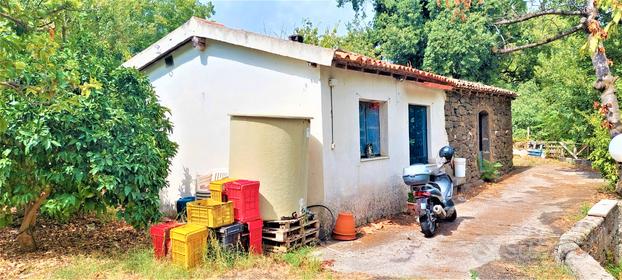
(189, 244)
(181, 205)
(255, 229)
(245, 197)
(229, 241)
(216, 189)
(160, 238)
(231, 229)
(210, 213)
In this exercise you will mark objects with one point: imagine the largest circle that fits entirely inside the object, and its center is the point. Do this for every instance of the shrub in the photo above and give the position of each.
(599, 155)
(489, 170)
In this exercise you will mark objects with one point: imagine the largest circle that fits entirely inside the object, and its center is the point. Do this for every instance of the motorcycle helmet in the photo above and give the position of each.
(446, 152)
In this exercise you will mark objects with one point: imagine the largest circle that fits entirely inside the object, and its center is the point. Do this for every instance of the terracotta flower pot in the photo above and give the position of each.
(345, 227)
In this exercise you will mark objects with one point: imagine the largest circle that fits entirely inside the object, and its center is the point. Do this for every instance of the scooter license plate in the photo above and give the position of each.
(423, 205)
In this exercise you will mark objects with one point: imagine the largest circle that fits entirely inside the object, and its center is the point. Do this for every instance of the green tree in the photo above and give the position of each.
(78, 133)
(357, 39)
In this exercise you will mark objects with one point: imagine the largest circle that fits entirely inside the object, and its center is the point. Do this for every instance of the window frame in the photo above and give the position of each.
(381, 138)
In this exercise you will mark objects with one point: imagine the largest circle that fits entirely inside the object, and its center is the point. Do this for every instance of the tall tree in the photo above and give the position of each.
(436, 38)
(595, 19)
(78, 133)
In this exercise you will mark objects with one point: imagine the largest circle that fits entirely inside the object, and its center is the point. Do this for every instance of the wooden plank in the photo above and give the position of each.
(289, 236)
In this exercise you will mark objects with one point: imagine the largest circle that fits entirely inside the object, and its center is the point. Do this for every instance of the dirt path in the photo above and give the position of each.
(508, 225)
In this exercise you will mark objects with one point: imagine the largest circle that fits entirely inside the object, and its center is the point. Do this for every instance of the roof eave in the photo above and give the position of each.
(217, 32)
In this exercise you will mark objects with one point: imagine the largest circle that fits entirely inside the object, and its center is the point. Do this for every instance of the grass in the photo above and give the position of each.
(585, 207)
(219, 263)
(546, 268)
(614, 269)
(301, 259)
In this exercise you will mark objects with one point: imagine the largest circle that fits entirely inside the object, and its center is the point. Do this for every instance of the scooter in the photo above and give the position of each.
(433, 192)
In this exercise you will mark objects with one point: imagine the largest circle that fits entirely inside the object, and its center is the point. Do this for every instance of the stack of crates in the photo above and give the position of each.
(245, 197)
(188, 245)
(230, 200)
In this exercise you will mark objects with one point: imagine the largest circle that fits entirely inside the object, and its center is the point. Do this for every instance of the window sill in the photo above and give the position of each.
(375, 158)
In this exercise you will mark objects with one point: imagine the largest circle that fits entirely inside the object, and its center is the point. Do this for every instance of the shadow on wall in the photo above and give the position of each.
(186, 186)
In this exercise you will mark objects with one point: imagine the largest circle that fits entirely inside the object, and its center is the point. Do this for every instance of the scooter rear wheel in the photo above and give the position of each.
(428, 227)
(453, 216)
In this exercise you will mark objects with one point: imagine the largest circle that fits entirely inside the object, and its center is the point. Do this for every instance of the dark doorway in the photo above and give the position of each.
(418, 133)
(484, 135)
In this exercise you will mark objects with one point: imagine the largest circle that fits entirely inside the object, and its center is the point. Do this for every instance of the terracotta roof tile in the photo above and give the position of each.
(368, 62)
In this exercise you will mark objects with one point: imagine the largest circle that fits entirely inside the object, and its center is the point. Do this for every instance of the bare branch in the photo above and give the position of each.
(528, 16)
(543, 42)
(10, 85)
(15, 20)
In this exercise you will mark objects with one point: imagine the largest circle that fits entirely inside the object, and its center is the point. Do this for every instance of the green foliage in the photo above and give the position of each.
(411, 197)
(434, 37)
(489, 170)
(358, 37)
(74, 122)
(473, 275)
(399, 30)
(461, 48)
(599, 142)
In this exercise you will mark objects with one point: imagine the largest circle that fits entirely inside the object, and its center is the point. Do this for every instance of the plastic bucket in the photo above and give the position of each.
(460, 170)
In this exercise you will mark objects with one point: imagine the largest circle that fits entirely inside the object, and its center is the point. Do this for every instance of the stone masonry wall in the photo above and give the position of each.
(462, 123)
(587, 246)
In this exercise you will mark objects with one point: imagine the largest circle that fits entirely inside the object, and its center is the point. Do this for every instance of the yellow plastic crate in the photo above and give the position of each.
(209, 213)
(216, 188)
(188, 244)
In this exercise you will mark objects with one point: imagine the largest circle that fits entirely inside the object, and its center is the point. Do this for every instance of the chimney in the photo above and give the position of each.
(296, 38)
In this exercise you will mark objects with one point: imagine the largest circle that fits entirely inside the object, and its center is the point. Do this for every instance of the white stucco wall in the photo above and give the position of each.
(373, 188)
(203, 88)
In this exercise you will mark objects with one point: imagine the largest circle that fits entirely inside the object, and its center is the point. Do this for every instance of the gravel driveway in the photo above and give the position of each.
(510, 223)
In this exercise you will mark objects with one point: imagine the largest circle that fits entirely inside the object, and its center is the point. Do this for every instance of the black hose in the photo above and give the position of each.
(331, 215)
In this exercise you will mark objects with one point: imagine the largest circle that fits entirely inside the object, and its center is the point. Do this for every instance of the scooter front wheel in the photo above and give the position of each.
(428, 227)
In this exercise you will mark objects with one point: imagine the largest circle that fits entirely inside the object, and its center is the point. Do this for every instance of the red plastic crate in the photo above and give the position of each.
(160, 237)
(245, 197)
(255, 236)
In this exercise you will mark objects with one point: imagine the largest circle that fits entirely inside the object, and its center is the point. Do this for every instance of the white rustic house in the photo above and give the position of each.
(370, 118)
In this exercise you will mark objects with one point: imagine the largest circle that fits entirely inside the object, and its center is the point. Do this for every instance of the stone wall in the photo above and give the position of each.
(462, 123)
(586, 246)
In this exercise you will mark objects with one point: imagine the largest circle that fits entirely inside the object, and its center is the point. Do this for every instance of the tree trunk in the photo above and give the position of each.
(25, 237)
(605, 82)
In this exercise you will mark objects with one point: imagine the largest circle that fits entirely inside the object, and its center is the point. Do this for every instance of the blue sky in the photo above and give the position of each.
(280, 17)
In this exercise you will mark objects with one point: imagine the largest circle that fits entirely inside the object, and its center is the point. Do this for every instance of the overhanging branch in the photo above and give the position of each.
(543, 42)
(14, 20)
(527, 16)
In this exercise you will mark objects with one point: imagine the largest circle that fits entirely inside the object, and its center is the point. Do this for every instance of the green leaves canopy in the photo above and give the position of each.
(71, 119)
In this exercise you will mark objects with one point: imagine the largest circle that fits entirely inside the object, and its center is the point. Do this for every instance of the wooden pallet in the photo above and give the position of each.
(308, 239)
(285, 224)
(291, 233)
(281, 236)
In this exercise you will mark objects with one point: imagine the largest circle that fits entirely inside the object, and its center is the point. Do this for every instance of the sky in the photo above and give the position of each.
(280, 17)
